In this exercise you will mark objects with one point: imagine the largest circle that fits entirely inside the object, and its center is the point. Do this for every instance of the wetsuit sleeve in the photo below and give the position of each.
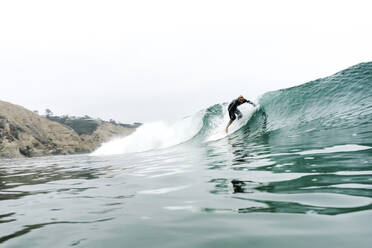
(247, 101)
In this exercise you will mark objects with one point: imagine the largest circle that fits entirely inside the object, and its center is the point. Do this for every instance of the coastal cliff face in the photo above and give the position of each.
(26, 134)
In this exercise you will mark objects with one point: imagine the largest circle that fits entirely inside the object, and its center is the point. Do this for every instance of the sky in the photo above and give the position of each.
(143, 61)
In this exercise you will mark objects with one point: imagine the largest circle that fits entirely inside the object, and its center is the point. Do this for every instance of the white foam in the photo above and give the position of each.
(163, 190)
(156, 135)
(341, 148)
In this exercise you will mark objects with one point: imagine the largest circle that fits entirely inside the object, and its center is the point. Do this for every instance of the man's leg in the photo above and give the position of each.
(228, 124)
(232, 118)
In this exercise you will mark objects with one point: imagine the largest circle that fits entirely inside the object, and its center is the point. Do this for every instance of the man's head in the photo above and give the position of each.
(240, 99)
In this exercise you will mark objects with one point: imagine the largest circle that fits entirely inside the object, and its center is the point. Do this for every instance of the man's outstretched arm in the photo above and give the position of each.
(247, 101)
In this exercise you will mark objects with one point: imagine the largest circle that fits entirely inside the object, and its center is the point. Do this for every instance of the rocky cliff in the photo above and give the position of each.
(26, 134)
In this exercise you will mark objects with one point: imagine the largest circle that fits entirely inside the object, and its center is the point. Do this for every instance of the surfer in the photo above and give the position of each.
(233, 109)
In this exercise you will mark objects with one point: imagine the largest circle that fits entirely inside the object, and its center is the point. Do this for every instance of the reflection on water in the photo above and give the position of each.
(291, 167)
(162, 195)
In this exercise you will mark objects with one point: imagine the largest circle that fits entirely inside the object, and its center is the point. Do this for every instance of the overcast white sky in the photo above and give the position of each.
(150, 60)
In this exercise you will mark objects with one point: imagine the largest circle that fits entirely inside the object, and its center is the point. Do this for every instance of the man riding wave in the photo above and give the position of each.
(233, 109)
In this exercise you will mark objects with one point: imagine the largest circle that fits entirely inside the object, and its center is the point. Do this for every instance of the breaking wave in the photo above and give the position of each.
(342, 101)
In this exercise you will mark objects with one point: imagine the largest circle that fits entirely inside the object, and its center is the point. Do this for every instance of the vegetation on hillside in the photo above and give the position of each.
(85, 124)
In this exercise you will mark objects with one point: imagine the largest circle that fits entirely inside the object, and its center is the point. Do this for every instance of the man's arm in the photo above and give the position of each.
(247, 101)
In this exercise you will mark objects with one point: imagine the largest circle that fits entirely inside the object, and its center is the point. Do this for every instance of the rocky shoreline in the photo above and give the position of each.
(24, 133)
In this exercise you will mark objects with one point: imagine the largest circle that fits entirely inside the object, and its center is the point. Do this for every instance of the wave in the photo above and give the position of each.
(154, 135)
(341, 101)
(205, 125)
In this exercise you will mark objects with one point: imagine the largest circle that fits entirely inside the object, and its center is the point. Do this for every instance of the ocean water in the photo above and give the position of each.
(296, 171)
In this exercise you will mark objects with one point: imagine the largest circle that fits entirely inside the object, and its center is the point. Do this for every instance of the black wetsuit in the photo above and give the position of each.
(233, 108)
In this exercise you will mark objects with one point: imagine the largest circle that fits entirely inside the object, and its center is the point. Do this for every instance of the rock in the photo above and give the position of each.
(24, 133)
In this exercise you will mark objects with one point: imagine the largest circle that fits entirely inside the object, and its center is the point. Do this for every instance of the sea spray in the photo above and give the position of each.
(156, 135)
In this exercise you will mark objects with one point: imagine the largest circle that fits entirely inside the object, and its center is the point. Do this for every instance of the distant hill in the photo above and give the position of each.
(24, 133)
(86, 124)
